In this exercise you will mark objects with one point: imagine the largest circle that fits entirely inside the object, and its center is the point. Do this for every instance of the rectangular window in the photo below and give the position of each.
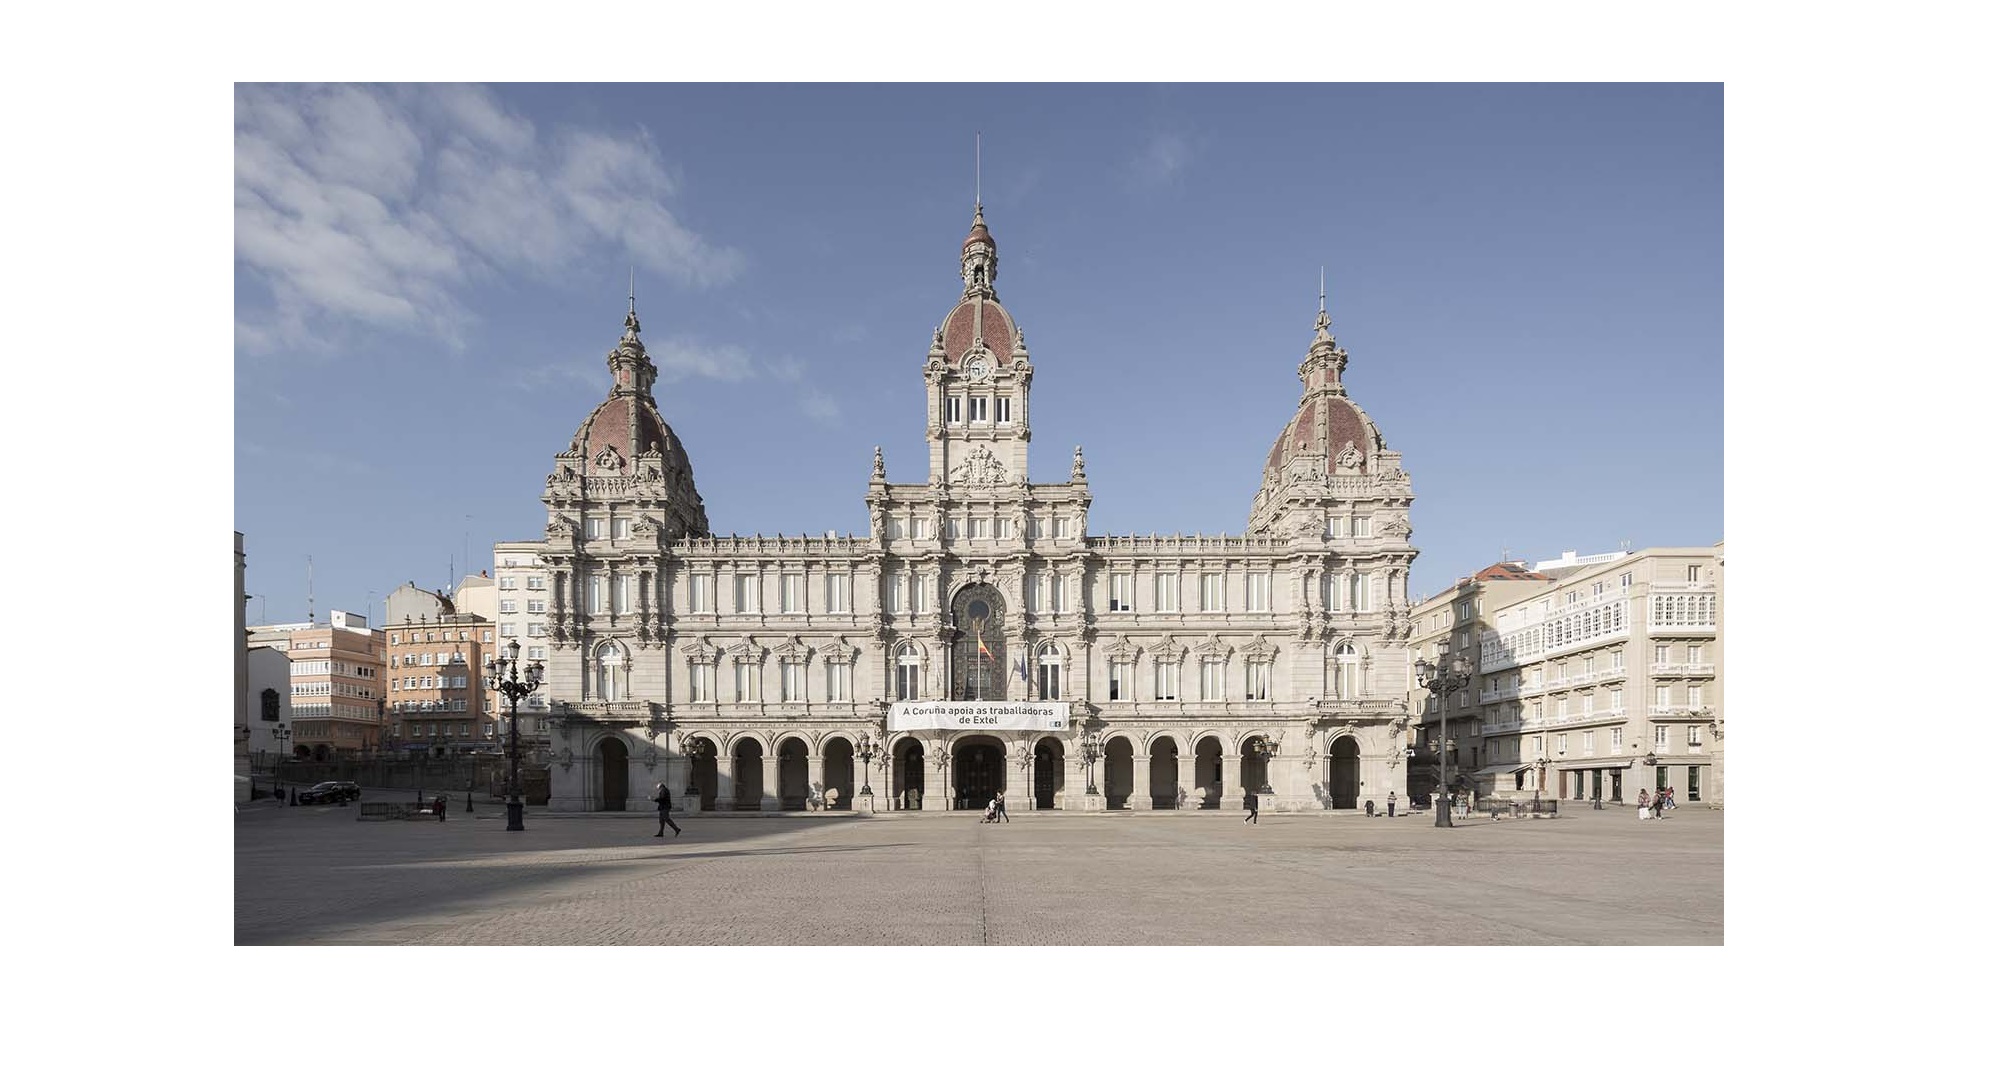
(1586, 745)
(1694, 654)
(1057, 594)
(898, 602)
(1691, 784)
(622, 594)
(1213, 593)
(838, 681)
(1694, 696)
(702, 593)
(622, 528)
(508, 582)
(1662, 653)
(1211, 681)
(908, 677)
(536, 582)
(792, 682)
(977, 409)
(792, 593)
(1662, 738)
(1259, 681)
(595, 594)
(744, 593)
(1002, 410)
(1120, 594)
(1691, 574)
(1662, 696)
(1165, 593)
(1259, 591)
(1562, 744)
(594, 528)
(1165, 680)
(702, 682)
(1627, 579)
(1120, 680)
(1614, 742)
(507, 630)
(1339, 526)
(747, 682)
(921, 600)
(508, 607)
(977, 528)
(1049, 680)
(1061, 528)
(538, 653)
(953, 409)
(1693, 735)
(537, 608)
(1615, 699)
(1614, 660)
(1586, 703)
(1360, 526)
(835, 587)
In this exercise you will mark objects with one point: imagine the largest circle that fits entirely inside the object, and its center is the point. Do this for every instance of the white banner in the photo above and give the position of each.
(1055, 717)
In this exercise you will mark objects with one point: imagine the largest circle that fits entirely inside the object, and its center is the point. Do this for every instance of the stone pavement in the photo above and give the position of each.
(315, 875)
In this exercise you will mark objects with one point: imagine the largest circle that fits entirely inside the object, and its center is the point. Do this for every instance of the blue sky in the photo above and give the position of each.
(1527, 278)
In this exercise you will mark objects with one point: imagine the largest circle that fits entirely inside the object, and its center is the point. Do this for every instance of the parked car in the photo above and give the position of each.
(330, 792)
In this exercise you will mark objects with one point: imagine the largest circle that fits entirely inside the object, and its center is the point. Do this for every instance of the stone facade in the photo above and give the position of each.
(745, 673)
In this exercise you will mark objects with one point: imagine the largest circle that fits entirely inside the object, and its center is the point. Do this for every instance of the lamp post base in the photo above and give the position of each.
(1443, 812)
(515, 814)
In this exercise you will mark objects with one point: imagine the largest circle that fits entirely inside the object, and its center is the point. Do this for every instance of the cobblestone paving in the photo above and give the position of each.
(318, 876)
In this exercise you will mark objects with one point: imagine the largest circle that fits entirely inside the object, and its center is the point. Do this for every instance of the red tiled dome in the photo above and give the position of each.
(998, 330)
(1325, 424)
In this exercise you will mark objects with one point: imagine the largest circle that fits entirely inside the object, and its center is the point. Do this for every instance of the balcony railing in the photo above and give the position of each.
(1703, 668)
(1682, 712)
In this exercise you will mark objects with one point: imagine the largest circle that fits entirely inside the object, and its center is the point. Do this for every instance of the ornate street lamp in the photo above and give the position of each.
(867, 749)
(1538, 788)
(513, 684)
(1441, 677)
(1265, 748)
(1089, 750)
(693, 749)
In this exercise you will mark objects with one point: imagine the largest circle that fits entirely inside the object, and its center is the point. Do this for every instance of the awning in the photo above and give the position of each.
(1505, 768)
(1595, 765)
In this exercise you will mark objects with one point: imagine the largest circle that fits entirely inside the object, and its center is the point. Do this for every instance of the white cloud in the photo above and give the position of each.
(379, 206)
(681, 357)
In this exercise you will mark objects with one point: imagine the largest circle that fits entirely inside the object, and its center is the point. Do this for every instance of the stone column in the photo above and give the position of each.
(727, 785)
(1234, 794)
(815, 784)
(679, 771)
(768, 798)
(1186, 778)
(1141, 800)
(1023, 795)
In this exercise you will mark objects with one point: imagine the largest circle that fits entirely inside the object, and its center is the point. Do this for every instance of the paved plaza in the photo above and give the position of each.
(317, 875)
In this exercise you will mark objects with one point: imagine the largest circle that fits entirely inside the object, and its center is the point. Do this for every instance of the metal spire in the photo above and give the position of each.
(977, 170)
(629, 288)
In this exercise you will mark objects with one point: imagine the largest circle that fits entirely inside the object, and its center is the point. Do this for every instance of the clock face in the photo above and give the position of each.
(978, 370)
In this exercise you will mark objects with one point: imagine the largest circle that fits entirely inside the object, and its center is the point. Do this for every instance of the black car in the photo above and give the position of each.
(330, 792)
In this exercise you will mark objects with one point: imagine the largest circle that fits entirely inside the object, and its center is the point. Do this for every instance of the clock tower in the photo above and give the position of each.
(977, 380)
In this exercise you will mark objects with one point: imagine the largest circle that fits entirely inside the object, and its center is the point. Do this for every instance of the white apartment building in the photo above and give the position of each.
(521, 614)
(1596, 676)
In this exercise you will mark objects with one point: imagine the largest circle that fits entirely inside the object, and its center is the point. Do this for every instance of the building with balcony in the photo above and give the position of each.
(979, 632)
(336, 683)
(1604, 679)
(435, 692)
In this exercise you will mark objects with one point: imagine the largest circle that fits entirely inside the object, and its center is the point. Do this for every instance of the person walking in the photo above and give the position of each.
(1670, 798)
(1001, 807)
(1642, 804)
(1252, 808)
(438, 807)
(661, 811)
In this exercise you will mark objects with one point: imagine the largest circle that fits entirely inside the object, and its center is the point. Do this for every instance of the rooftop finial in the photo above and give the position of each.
(1322, 303)
(629, 288)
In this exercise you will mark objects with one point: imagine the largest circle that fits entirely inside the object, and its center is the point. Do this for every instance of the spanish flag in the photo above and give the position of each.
(981, 644)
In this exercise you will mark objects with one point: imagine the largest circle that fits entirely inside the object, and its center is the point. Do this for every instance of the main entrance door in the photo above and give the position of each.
(977, 773)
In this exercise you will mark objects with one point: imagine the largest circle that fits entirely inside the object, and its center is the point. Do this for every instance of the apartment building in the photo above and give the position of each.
(521, 614)
(436, 694)
(337, 685)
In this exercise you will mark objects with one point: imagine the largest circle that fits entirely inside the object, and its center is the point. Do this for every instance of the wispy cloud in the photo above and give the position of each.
(380, 206)
(1162, 160)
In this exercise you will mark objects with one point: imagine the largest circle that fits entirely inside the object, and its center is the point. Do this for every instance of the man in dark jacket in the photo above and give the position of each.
(661, 803)
(1252, 808)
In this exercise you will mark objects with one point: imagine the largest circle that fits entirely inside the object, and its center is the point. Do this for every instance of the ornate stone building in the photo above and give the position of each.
(980, 638)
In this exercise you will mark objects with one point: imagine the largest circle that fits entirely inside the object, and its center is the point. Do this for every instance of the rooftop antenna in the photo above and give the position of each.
(629, 288)
(309, 591)
(1322, 303)
(977, 169)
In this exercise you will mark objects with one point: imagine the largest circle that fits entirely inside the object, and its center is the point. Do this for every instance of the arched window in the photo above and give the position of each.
(1050, 672)
(907, 661)
(606, 678)
(1349, 680)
